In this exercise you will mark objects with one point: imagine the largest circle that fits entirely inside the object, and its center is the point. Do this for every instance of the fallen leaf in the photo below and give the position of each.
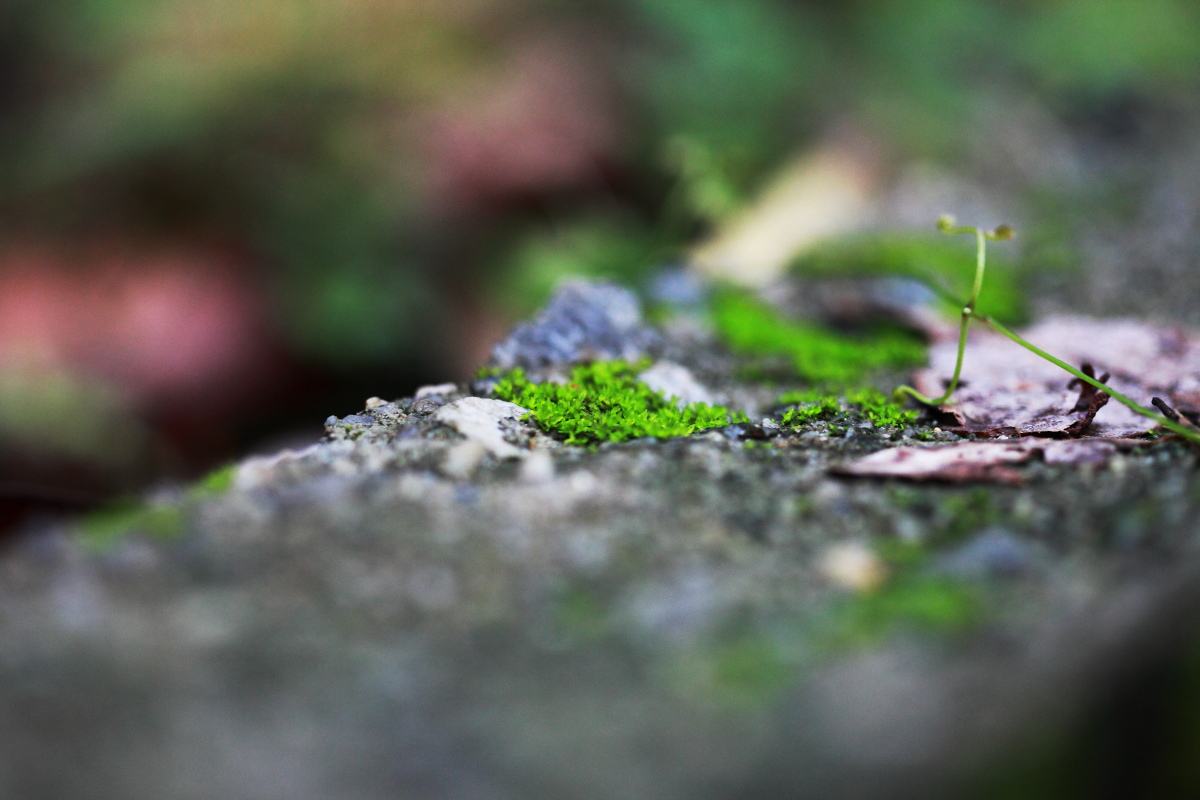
(1006, 390)
(817, 195)
(962, 462)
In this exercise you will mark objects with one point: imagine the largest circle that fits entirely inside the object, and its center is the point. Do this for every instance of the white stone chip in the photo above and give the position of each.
(852, 565)
(538, 468)
(462, 459)
(480, 418)
(674, 380)
(436, 388)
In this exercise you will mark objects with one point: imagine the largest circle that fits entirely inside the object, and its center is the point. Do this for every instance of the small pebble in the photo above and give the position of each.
(852, 565)
(537, 468)
(994, 552)
(435, 389)
(463, 459)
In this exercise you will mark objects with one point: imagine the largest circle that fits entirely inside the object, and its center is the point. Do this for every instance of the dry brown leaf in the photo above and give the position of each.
(819, 194)
(968, 461)
(1006, 390)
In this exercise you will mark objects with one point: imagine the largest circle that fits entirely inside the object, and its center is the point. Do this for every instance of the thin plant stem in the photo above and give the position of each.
(1186, 432)
(968, 311)
(946, 225)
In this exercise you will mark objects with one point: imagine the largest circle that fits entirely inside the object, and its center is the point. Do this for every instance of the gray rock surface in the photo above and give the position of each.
(437, 599)
(582, 322)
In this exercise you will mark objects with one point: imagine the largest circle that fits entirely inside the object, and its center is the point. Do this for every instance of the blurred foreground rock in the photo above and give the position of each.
(440, 600)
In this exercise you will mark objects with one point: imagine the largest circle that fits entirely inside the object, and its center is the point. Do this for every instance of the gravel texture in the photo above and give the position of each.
(436, 599)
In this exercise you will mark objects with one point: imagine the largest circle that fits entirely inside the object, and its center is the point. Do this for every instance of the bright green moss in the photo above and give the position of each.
(938, 262)
(605, 402)
(820, 356)
(809, 405)
(879, 409)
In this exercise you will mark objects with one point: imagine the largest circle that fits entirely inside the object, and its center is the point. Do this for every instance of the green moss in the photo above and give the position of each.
(918, 603)
(215, 483)
(936, 261)
(879, 409)
(819, 355)
(750, 670)
(101, 529)
(809, 405)
(605, 402)
(901, 554)
(105, 527)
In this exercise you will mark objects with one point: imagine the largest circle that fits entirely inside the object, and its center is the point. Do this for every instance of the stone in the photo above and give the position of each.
(440, 600)
(538, 467)
(994, 552)
(852, 565)
(485, 421)
(583, 321)
(672, 380)
(437, 389)
(463, 458)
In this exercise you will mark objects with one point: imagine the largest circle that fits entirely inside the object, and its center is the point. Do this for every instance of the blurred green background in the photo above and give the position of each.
(221, 221)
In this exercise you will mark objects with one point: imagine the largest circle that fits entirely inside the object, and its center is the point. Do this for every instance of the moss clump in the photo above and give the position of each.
(809, 405)
(819, 356)
(880, 410)
(939, 263)
(605, 402)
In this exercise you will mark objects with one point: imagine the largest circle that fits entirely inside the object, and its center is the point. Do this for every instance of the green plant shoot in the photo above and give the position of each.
(946, 224)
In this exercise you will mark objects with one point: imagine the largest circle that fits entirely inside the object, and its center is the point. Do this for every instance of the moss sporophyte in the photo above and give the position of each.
(946, 224)
(605, 402)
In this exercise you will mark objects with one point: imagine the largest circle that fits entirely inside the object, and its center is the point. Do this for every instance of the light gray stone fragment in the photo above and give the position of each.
(481, 419)
(582, 322)
(672, 380)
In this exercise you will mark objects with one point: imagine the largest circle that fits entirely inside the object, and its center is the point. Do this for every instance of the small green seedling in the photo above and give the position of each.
(946, 224)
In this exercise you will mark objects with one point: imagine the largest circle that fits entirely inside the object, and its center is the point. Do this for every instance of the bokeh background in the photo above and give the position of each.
(221, 221)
